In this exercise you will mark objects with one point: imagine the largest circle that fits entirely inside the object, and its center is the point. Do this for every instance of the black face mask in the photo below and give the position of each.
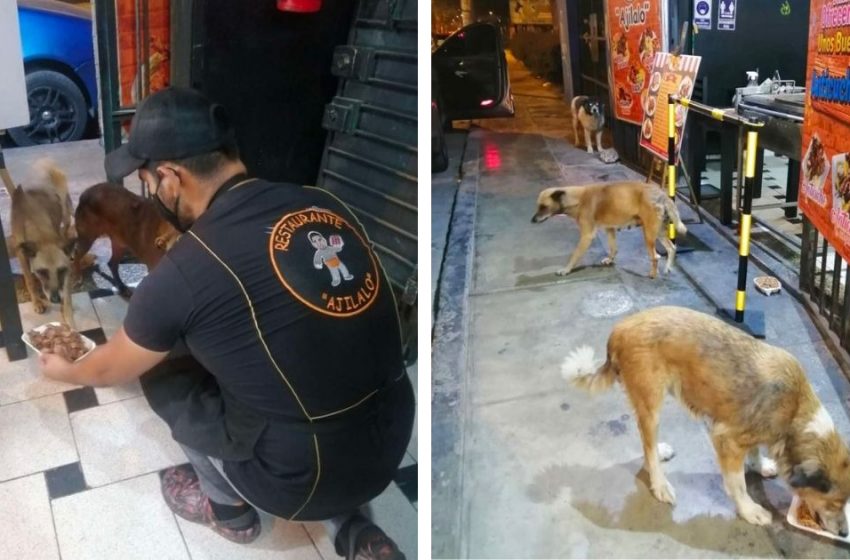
(168, 215)
(171, 216)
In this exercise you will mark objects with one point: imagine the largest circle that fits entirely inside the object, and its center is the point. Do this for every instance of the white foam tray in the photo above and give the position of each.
(90, 344)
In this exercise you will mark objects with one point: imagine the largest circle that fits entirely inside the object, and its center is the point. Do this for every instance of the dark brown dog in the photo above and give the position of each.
(131, 222)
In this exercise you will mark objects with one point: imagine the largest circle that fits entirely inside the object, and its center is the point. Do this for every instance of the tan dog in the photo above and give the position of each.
(749, 393)
(43, 238)
(588, 112)
(613, 206)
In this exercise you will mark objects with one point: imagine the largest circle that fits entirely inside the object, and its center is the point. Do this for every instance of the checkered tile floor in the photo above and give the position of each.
(774, 181)
(79, 471)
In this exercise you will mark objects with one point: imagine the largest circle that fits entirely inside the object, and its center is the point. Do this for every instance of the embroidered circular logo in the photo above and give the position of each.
(324, 262)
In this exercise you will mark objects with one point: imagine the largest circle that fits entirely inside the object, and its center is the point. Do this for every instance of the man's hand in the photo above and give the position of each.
(117, 362)
(55, 366)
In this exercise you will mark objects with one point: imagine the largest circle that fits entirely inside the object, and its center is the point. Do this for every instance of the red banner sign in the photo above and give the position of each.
(634, 36)
(825, 167)
(131, 77)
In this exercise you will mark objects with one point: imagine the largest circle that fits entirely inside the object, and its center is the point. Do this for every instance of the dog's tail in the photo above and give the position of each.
(579, 368)
(47, 172)
(673, 215)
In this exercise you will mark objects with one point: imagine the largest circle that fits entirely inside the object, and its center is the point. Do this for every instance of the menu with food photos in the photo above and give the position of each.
(634, 36)
(825, 167)
(670, 75)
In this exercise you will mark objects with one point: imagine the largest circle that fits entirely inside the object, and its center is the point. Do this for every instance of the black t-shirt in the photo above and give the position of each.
(277, 292)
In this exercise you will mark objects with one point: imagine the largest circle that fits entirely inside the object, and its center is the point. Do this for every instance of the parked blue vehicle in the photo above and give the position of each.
(60, 72)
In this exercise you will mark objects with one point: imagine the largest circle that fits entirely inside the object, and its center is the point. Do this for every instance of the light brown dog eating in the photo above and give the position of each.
(750, 394)
(613, 206)
(42, 237)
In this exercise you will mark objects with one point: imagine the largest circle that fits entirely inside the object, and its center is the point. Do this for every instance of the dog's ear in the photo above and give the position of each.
(28, 248)
(70, 246)
(558, 198)
(135, 205)
(816, 480)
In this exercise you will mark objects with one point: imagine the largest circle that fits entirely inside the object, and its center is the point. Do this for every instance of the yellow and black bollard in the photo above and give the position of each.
(671, 160)
(746, 225)
(754, 321)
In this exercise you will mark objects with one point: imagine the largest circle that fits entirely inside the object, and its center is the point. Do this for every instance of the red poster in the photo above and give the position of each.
(634, 36)
(825, 168)
(130, 77)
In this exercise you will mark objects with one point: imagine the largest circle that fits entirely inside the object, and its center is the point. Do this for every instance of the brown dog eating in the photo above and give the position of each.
(749, 393)
(131, 222)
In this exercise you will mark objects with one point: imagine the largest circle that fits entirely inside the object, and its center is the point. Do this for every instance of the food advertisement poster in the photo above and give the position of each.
(131, 54)
(670, 75)
(634, 36)
(825, 167)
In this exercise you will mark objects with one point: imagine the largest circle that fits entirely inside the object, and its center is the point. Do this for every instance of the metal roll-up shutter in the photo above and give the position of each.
(370, 159)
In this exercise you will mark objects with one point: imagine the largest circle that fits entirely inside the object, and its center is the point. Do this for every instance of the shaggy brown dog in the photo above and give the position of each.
(613, 206)
(42, 237)
(131, 222)
(750, 394)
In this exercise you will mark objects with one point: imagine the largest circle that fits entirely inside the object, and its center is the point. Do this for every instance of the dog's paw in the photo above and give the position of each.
(563, 272)
(607, 261)
(665, 451)
(590, 150)
(664, 492)
(755, 514)
(39, 306)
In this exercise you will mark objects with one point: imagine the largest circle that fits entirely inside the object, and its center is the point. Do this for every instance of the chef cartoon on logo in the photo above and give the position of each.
(326, 254)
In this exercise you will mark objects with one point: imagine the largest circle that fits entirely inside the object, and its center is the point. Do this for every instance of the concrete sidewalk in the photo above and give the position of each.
(523, 464)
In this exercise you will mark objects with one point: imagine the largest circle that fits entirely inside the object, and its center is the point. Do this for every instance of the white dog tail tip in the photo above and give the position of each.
(580, 369)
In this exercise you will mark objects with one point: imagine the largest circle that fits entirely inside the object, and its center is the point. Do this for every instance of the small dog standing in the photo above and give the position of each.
(588, 112)
(613, 206)
(131, 223)
(750, 394)
(43, 238)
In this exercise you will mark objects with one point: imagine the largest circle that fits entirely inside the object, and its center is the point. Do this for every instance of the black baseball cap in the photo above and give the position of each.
(170, 124)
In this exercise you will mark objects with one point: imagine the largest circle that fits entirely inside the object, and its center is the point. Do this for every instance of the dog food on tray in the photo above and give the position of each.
(59, 339)
(801, 516)
(767, 284)
(806, 517)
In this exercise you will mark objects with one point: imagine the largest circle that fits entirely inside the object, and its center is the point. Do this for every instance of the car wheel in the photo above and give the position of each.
(439, 150)
(58, 110)
(440, 161)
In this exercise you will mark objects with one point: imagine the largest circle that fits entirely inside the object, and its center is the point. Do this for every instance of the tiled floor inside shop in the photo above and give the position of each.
(79, 467)
(774, 179)
(79, 471)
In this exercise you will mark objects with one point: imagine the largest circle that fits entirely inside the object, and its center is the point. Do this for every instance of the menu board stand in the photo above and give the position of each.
(672, 74)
